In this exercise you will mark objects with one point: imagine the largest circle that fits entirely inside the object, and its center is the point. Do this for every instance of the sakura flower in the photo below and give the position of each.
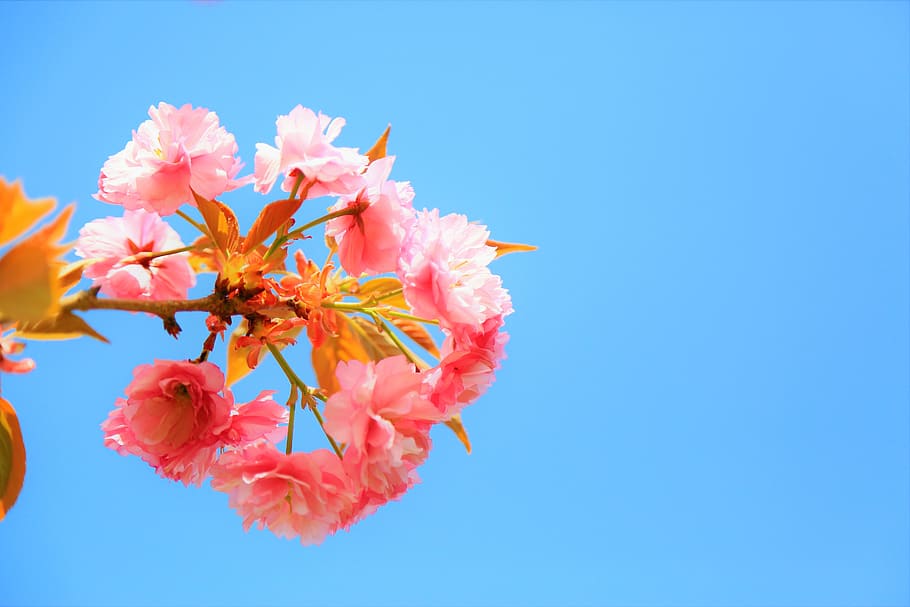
(302, 495)
(177, 415)
(305, 148)
(122, 271)
(444, 274)
(380, 414)
(174, 152)
(370, 240)
(469, 359)
(10, 347)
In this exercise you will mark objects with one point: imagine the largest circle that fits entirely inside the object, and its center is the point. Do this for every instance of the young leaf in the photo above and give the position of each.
(18, 213)
(71, 273)
(343, 346)
(457, 427)
(272, 217)
(416, 331)
(379, 148)
(237, 367)
(377, 345)
(504, 248)
(12, 458)
(64, 325)
(380, 286)
(221, 222)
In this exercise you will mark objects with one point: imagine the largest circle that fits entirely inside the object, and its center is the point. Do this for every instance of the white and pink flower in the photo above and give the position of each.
(177, 414)
(369, 241)
(175, 153)
(444, 274)
(305, 495)
(118, 243)
(382, 417)
(304, 147)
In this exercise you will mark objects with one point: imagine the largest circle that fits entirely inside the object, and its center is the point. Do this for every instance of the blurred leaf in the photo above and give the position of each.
(18, 213)
(380, 286)
(12, 458)
(29, 273)
(457, 427)
(270, 219)
(343, 346)
(504, 248)
(64, 325)
(221, 222)
(379, 148)
(416, 331)
(71, 273)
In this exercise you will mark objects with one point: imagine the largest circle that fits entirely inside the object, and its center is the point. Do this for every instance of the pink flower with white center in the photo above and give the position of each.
(305, 147)
(119, 242)
(468, 362)
(302, 495)
(369, 241)
(380, 414)
(444, 273)
(177, 414)
(174, 152)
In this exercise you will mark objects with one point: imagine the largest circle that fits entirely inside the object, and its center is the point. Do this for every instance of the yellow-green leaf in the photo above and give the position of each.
(379, 148)
(12, 457)
(504, 248)
(457, 427)
(377, 344)
(221, 222)
(64, 325)
(379, 287)
(18, 213)
(71, 273)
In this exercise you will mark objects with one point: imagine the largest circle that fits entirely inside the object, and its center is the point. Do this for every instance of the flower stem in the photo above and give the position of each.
(307, 392)
(150, 255)
(292, 405)
(193, 223)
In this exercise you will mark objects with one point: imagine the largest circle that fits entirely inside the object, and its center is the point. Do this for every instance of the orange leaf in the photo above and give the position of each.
(17, 213)
(416, 331)
(29, 273)
(71, 273)
(12, 457)
(379, 148)
(380, 286)
(457, 427)
(272, 217)
(343, 346)
(221, 222)
(504, 248)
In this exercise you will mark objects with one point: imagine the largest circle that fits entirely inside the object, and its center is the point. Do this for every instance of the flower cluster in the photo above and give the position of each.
(402, 275)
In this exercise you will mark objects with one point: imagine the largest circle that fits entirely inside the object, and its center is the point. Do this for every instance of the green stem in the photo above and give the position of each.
(296, 186)
(305, 389)
(398, 343)
(150, 255)
(194, 223)
(388, 295)
(398, 314)
(289, 444)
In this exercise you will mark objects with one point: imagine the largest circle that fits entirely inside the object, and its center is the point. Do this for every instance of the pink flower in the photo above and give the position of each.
(178, 149)
(305, 147)
(8, 347)
(380, 415)
(443, 270)
(371, 240)
(301, 494)
(122, 272)
(175, 417)
(468, 362)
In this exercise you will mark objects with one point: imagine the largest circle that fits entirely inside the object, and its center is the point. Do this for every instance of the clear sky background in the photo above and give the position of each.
(706, 396)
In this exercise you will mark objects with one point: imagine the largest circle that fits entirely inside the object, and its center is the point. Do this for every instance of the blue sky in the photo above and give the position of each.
(706, 395)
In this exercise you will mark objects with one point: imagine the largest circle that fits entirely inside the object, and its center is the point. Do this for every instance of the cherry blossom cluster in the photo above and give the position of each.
(400, 270)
